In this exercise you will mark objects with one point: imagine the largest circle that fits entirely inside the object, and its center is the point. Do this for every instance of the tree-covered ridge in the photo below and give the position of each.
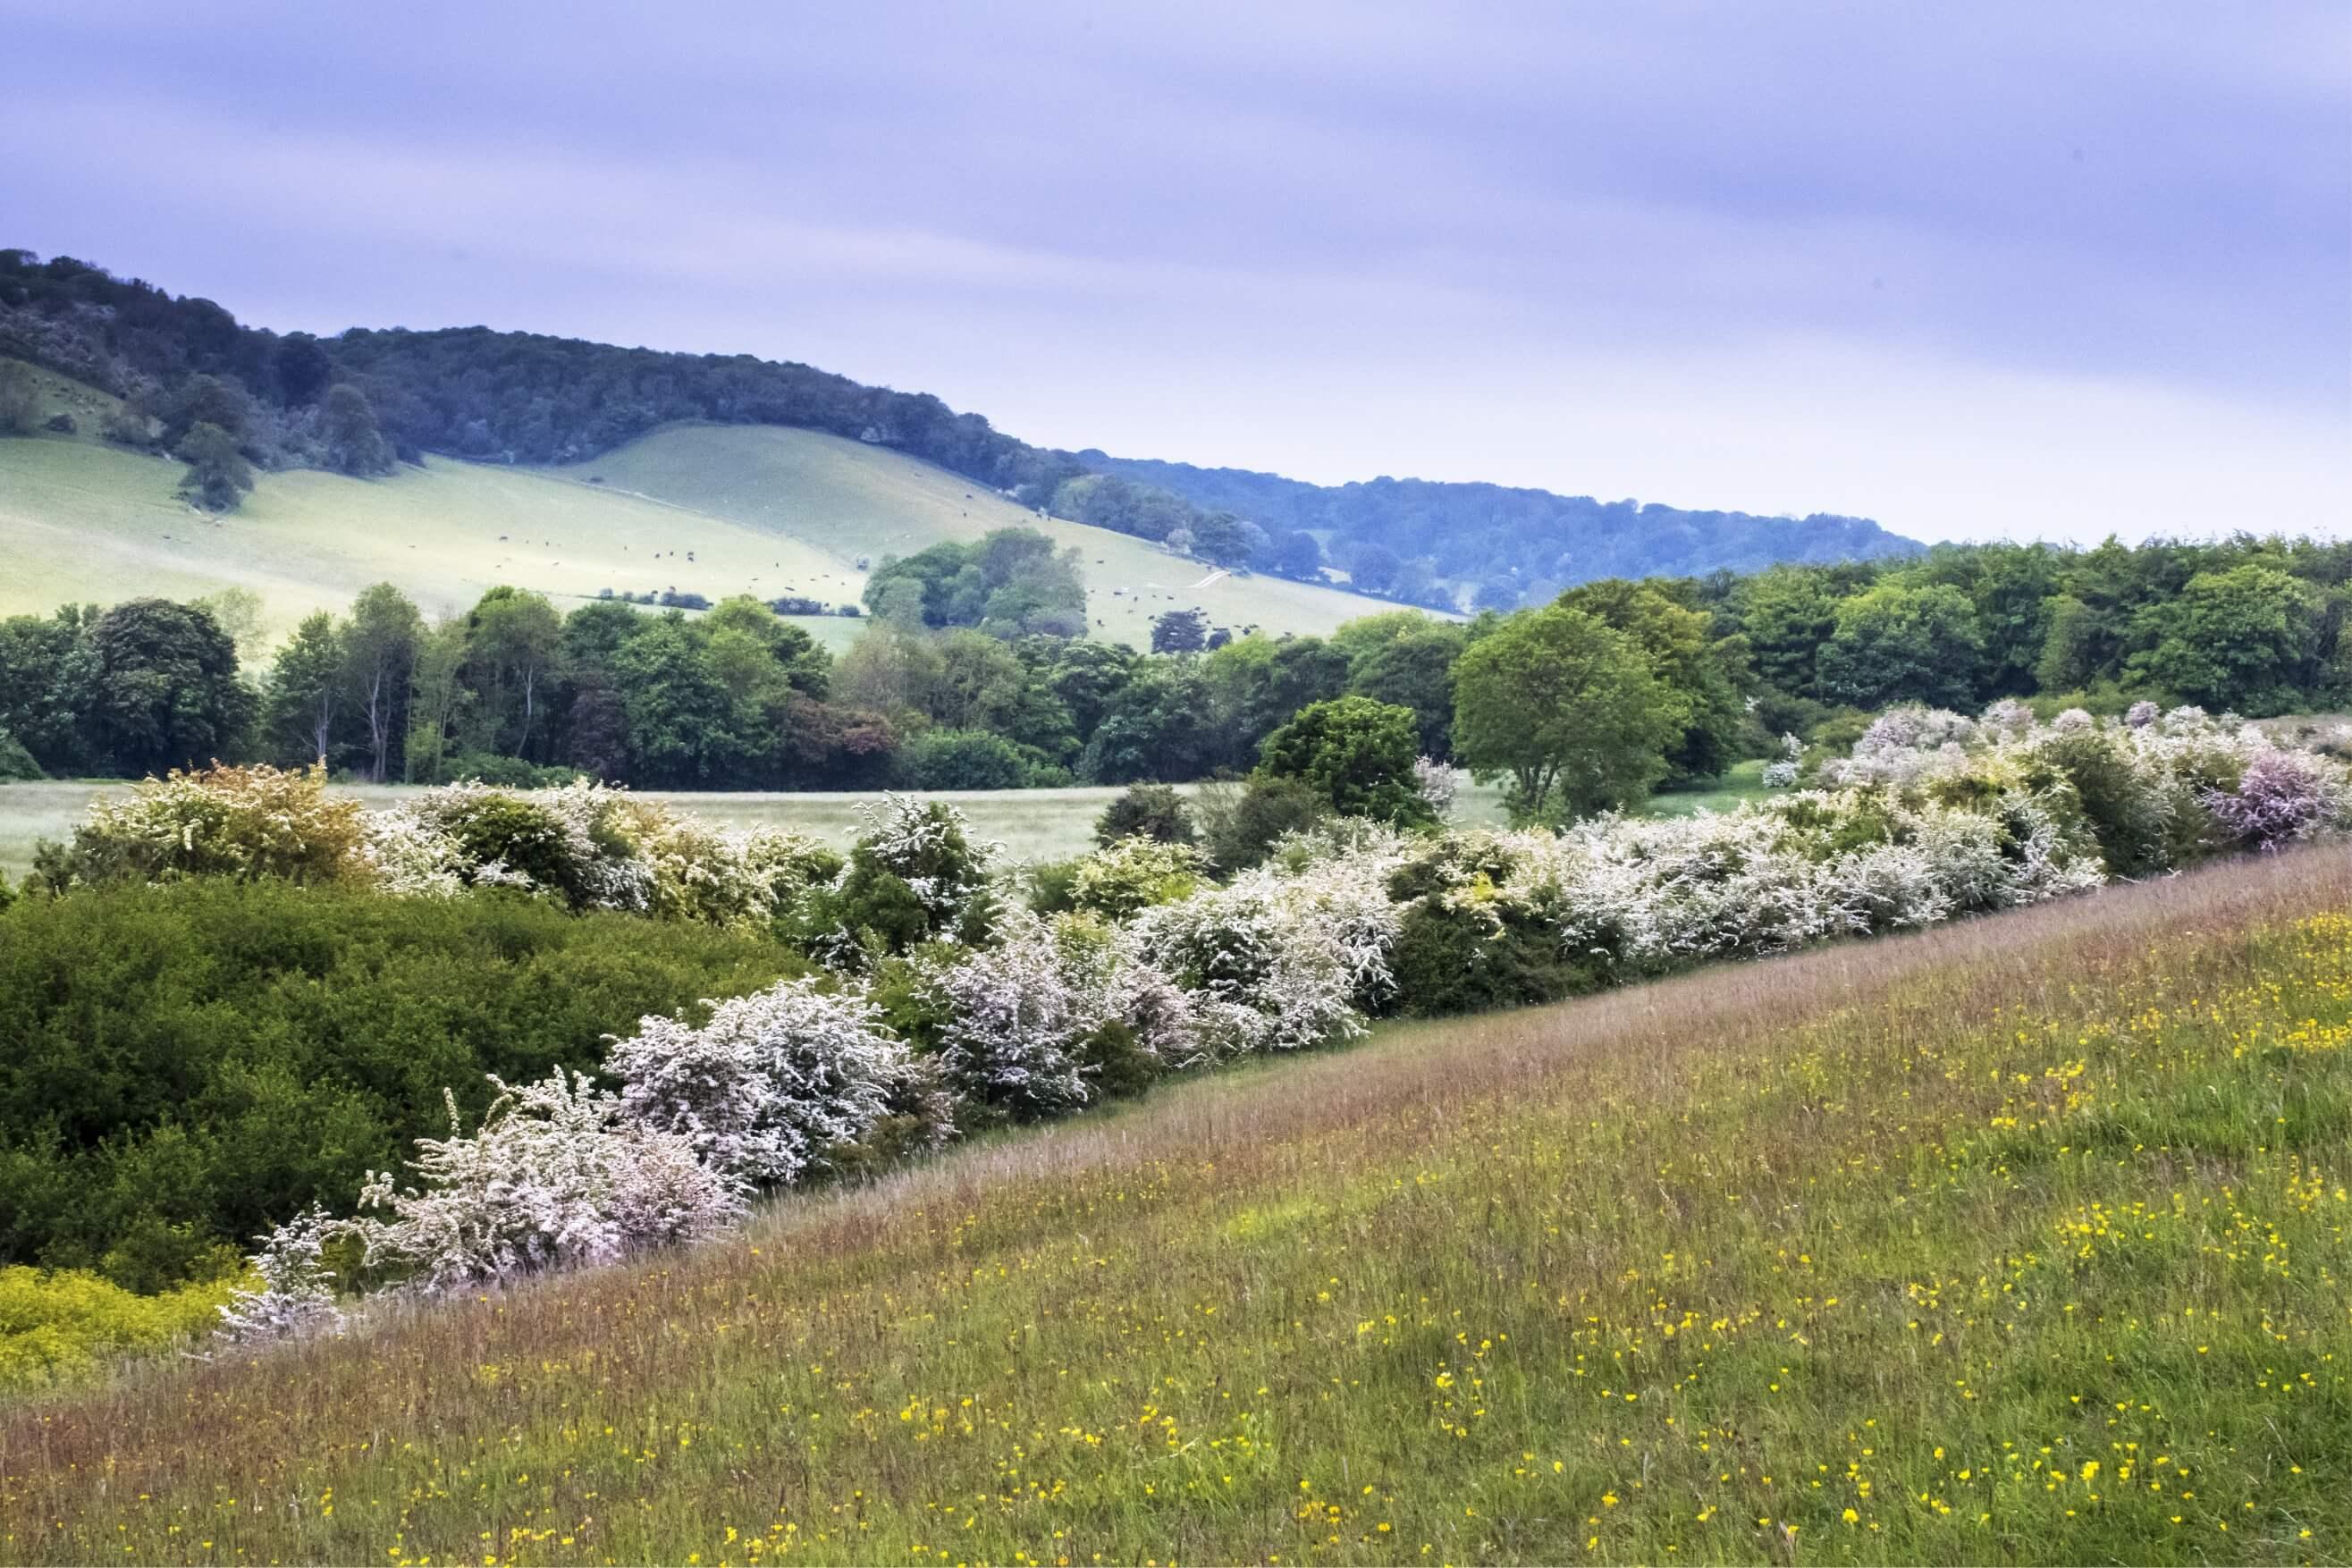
(222, 394)
(1505, 546)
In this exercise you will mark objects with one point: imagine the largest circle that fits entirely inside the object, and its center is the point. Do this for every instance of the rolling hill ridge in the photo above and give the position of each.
(528, 400)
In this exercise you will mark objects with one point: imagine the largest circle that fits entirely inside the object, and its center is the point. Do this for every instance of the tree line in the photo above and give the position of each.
(961, 680)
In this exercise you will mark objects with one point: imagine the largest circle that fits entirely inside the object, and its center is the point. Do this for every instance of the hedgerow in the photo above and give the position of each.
(920, 996)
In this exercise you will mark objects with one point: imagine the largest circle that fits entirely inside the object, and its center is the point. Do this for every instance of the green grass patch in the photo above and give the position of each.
(1740, 782)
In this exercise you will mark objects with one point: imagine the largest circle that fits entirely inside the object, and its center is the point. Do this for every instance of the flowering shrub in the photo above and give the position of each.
(915, 875)
(561, 843)
(243, 822)
(1263, 972)
(297, 1299)
(556, 1177)
(2282, 797)
(1016, 1019)
(1130, 876)
(775, 1083)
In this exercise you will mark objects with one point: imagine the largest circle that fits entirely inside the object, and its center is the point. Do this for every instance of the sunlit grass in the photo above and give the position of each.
(2025, 1239)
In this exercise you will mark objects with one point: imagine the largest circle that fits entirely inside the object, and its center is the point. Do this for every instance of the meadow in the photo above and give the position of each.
(1031, 824)
(711, 510)
(2020, 1240)
(853, 500)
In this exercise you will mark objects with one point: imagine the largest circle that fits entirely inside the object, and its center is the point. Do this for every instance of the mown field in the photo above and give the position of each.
(1031, 824)
(2020, 1240)
(708, 510)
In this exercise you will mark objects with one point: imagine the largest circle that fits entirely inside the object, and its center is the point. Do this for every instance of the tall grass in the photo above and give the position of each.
(2024, 1239)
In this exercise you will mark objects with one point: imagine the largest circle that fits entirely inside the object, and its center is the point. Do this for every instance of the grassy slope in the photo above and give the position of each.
(766, 511)
(1034, 824)
(854, 500)
(2022, 1240)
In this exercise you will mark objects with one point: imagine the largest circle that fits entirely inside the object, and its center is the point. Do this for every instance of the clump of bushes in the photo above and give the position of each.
(262, 1048)
(189, 1063)
(239, 822)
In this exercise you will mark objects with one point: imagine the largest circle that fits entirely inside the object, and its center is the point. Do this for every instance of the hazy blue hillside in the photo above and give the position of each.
(1506, 538)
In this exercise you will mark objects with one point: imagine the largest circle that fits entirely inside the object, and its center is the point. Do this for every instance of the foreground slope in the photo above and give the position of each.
(2027, 1239)
(854, 500)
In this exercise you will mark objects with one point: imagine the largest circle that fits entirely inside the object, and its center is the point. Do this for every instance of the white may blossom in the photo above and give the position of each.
(297, 1299)
(556, 1177)
(773, 1083)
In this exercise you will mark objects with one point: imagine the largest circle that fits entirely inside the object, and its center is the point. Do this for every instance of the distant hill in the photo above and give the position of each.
(701, 510)
(356, 402)
(1516, 540)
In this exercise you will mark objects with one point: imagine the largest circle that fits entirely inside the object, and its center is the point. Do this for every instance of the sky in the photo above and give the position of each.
(2000, 269)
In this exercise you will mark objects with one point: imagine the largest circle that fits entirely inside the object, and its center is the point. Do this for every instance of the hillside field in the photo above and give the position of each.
(2024, 1239)
(853, 500)
(759, 509)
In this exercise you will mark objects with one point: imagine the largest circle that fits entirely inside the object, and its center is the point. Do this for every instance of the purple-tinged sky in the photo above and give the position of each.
(1996, 268)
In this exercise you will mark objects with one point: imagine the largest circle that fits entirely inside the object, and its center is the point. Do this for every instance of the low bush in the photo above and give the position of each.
(218, 822)
(1152, 811)
(187, 1065)
(1242, 826)
(63, 1326)
(17, 764)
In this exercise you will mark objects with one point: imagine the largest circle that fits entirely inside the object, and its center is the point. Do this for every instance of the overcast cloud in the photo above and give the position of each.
(1996, 268)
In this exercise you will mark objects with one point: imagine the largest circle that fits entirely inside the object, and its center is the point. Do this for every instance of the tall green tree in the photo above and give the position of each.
(2245, 639)
(218, 477)
(438, 700)
(1567, 709)
(166, 692)
(354, 441)
(1786, 614)
(381, 638)
(306, 694)
(48, 674)
(1689, 663)
(1407, 658)
(515, 644)
(1898, 644)
(1356, 753)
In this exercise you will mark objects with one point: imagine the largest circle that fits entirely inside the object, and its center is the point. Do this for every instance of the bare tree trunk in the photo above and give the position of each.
(377, 741)
(529, 683)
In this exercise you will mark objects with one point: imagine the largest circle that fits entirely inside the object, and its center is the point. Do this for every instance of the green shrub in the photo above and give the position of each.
(15, 762)
(186, 1065)
(505, 772)
(61, 1327)
(975, 759)
(1242, 829)
(1053, 886)
(1449, 961)
(1146, 811)
(1130, 876)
